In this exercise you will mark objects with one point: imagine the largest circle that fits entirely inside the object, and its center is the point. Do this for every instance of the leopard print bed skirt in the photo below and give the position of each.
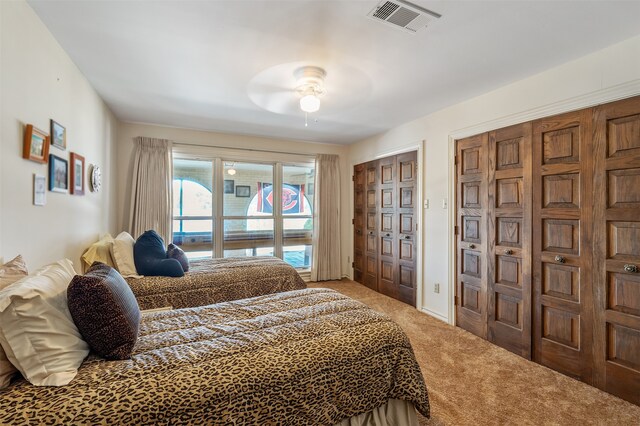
(217, 280)
(312, 357)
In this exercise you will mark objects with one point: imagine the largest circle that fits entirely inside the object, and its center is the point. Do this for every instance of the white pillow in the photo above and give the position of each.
(10, 272)
(36, 328)
(122, 253)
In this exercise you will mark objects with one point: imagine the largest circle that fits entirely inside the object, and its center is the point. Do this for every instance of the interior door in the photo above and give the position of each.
(359, 208)
(371, 226)
(406, 166)
(562, 244)
(617, 244)
(388, 247)
(509, 237)
(471, 199)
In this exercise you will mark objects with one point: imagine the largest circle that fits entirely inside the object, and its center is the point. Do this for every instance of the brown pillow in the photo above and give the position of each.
(175, 252)
(105, 311)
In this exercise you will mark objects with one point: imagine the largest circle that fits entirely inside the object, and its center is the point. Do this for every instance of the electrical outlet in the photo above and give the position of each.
(436, 288)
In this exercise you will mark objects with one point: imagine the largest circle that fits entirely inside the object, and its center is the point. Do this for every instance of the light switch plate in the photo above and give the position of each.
(444, 203)
(426, 204)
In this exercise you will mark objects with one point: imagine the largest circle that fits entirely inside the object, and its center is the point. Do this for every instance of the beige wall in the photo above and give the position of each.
(128, 131)
(39, 82)
(605, 75)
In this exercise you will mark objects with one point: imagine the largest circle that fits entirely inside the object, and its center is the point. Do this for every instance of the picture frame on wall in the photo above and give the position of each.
(36, 144)
(228, 186)
(77, 174)
(58, 174)
(39, 190)
(243, 191)
(58, 135)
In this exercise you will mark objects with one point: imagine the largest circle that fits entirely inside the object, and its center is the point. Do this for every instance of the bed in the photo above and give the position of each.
(217, 280)
(309, 356)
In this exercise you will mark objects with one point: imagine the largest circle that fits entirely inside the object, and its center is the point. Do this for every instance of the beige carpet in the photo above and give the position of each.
(472, 382)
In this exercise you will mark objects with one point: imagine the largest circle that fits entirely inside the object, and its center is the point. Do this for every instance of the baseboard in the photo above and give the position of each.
(435, 315)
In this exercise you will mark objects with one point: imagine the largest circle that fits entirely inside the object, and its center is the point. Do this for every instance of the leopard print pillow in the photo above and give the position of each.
(105, 311)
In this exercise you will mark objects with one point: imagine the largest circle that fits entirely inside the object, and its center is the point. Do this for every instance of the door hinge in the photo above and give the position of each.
(455, 300)
(416, 226)
(353, 264)
(353, 178)
(353, 221)
(455, 160)
(455, 230)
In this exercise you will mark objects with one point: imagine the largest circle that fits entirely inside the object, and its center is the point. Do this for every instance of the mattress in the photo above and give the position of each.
(217, 280)
(310, 356)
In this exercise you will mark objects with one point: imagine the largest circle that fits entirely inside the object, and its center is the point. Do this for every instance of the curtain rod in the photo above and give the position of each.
(244, 149)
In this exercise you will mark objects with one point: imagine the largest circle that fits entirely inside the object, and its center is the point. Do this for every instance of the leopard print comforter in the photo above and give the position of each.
(306, 357)
(217, 280)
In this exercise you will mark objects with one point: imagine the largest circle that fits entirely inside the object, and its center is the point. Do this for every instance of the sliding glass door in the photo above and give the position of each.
(248, 224)
(226, 208)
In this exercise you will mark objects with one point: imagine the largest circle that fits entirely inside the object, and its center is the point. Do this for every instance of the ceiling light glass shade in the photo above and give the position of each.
(231, 171)
(310, 103)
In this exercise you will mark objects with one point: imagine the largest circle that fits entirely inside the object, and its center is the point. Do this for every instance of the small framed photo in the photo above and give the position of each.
(58, 135)
(77, 174)
(36, 144)
(228, 186)
(243, 191)
(58, 174)
(39, 190)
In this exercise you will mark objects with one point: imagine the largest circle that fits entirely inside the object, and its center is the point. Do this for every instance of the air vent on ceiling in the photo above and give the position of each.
(402, 14)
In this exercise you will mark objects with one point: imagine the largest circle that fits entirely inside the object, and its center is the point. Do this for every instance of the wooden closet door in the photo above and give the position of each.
(471, 199)
(509, 236)
(405, 235)
(371, 226)
(617, 245)
(562, 244)
(359, 210)
(388, 250)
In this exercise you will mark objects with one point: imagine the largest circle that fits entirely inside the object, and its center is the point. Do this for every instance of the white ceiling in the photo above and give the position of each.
(190, 63)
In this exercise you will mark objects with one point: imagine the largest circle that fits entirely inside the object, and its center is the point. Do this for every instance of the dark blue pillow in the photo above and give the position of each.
(150, 257)
(175, 252)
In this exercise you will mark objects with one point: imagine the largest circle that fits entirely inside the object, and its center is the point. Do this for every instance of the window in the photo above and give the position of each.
(252, 224)
(193, 207)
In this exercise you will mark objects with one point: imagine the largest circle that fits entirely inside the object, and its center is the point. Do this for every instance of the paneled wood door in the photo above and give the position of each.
(617, 245)
(387, 209)
(406, 232)
(471, 199)
(371, 226)
(509, 237)
(562, 243)
(359, 211)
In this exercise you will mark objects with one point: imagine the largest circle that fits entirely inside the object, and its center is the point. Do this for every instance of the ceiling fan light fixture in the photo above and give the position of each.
(310, 103)
(310, 87)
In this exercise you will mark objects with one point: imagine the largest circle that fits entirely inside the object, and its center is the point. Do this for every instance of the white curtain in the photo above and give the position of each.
(151, 198)
(326, 220)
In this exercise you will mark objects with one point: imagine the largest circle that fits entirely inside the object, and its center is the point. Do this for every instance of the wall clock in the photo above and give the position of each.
(95, 178)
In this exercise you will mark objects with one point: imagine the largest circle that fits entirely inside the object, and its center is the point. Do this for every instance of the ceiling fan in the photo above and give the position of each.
(298, 88)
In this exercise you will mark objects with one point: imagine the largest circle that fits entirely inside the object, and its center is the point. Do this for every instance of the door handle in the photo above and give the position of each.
(508, 252)
(631, 268)
(370, 232)
(387, 235)
(407, 237)
(560, 259)
(472, 246)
